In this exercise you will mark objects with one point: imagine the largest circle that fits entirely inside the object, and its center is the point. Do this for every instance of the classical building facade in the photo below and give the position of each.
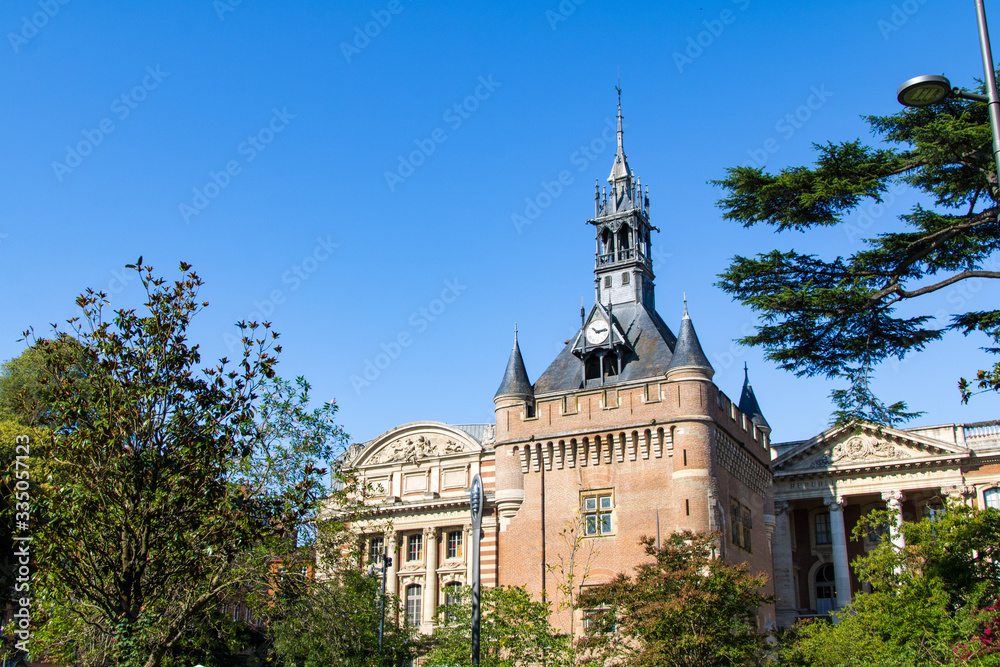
(822, 487)
(623, 435)
(626, 435)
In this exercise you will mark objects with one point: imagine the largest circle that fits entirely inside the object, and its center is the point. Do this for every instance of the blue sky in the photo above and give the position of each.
(362, 190)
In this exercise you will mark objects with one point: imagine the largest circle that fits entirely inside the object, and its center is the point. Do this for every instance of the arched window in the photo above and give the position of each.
(826, 593)
(991, 498)
(413, 605)
(452, 596)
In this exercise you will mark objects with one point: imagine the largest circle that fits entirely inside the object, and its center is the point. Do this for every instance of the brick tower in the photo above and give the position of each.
(624, 434)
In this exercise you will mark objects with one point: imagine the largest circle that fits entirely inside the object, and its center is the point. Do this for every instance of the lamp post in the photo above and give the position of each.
(476, 501)
(383, 568)
(921, 91)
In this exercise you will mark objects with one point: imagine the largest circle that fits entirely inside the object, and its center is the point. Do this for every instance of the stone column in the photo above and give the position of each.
(894, 503)
(786, 606)
(842, 576)
(430, 576)
(392, 548)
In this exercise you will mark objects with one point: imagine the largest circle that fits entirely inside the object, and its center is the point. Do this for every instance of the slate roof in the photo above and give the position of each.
(515, 378)
(748, 402)
(652, 344)
(688, 352)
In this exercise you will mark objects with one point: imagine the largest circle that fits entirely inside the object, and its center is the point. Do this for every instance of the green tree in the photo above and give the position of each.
(838, 317)
(934, 600)
(169, 488)
(514, 631)
(687, 607)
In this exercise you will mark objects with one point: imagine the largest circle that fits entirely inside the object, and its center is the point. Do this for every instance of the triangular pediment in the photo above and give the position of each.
(853, 447)
(418, 442)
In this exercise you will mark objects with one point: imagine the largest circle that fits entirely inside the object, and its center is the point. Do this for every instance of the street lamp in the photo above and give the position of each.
(476, 500)
(921, 91)
(383, 568)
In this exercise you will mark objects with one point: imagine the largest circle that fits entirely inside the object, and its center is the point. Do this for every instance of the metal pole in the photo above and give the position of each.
(991, 85)
(386, 560)
(476, 499)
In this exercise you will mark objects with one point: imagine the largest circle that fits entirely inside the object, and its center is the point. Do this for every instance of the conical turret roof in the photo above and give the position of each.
(748, 403)
(688, 353)
(515, 378)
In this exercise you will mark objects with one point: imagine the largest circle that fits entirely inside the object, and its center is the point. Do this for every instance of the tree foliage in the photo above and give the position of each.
(514, 632)
(838, 317)
(934, 600)
(684, 608)
(170, 488)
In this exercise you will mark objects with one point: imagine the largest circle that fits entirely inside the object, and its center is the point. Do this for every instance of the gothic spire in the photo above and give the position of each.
(621, 175)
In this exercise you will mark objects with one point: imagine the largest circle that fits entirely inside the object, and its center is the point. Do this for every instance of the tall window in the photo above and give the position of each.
(742, 524)
(376, 545)
(415, 547)
(747, 529)
(826, 594)
(413, 605)
(991, 498)
(454, 544)
(452, 595)
(597, 514)
(823, 534)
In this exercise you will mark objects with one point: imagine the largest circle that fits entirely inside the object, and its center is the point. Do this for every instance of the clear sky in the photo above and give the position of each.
(358, 188)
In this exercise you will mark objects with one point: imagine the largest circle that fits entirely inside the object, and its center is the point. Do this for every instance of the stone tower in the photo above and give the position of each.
(625, 434)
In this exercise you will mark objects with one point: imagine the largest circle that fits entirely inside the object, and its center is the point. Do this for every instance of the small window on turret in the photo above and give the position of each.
(607, 281)
(625, 279)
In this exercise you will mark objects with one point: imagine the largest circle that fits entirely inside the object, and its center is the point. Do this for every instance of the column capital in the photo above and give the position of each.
(780, 507)
(893, 498)
(835, 503)
(430, 534)
(957, 491)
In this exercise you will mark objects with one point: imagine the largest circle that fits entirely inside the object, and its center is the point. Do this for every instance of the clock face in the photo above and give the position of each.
(597, 332)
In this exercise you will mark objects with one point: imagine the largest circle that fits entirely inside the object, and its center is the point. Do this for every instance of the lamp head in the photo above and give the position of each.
(921, 91)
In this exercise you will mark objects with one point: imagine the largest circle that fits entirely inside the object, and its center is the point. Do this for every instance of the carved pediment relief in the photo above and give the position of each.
(843, 448)
(859, 449)
(413, 449)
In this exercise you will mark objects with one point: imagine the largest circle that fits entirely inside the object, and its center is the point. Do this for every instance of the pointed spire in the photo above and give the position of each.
(748, 403)
(621, 175)
(515, 378)
(688, 354)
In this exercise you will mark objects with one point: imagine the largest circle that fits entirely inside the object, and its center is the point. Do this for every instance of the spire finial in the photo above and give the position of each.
(686, 305)
(618, 88)
(515, 333)
(746, 373)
